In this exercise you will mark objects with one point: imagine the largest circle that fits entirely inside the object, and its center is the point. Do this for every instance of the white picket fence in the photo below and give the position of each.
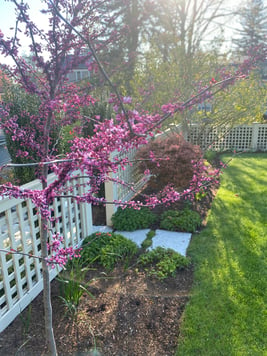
(21, 275)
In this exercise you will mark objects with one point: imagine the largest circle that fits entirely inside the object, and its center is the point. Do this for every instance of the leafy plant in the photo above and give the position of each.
(200, 195)
(210, 156)
(92, 245)
(107, 249)
(130, 219)
(163, 262)
(180, 220)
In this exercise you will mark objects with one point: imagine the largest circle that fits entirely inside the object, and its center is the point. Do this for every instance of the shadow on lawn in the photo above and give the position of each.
(230, 258)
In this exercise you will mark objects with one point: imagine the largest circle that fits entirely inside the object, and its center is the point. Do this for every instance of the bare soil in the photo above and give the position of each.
(131, 314)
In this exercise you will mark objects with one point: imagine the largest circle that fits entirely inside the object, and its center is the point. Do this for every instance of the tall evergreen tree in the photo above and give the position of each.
(129, 25)
(253, 27)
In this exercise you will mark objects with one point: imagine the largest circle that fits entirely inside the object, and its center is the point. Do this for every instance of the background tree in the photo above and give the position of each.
(185, 40)
(130, 23)
(252, 29)
(183, 28)
(244, 104)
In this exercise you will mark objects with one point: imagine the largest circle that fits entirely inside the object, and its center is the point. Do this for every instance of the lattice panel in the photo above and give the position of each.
(239, 138)
(130, 175)
(19, 230)
(221, 139)
(21, 275)
(262, 138)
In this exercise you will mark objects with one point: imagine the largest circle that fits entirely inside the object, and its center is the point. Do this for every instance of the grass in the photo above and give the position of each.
(227, 312)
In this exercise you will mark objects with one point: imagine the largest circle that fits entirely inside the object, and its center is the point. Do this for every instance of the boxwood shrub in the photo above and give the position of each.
(130, 219)
(180, 220)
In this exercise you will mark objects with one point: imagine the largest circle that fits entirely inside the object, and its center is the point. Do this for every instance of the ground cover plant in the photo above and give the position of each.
(227, 311)
(162, 262)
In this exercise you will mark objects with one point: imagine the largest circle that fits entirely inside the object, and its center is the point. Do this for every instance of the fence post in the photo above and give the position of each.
(86, 212)
(111, 195)
(254, 138)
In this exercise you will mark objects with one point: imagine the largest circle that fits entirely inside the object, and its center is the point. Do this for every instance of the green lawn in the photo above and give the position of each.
(227, 312)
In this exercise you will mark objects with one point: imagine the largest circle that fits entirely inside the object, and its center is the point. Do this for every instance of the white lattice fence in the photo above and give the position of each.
(130, 175)
(21, 275)
(241, 138)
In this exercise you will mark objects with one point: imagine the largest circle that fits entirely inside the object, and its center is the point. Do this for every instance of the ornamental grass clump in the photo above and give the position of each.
(130, 219)
(73, 285)
(180, 220)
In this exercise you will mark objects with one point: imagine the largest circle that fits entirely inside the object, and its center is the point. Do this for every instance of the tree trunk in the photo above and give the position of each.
(50, 339)
(48, 314)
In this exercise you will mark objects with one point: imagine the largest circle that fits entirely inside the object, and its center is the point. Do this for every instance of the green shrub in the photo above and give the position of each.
(107, 249)
(118, 248)
(130, 219)
(92, 245)
(162, 262)
(180, 220)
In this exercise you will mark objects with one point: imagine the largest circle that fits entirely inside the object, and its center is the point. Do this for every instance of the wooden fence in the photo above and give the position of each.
(240, 138)
(20, 275)
(119, 192)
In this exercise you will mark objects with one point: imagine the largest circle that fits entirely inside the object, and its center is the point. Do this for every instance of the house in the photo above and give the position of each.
(78, 74)
(81, 71)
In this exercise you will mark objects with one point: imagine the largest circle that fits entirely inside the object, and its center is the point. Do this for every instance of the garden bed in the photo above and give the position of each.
(132, 314)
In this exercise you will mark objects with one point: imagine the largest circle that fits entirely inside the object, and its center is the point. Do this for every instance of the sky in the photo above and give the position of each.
(7, 17)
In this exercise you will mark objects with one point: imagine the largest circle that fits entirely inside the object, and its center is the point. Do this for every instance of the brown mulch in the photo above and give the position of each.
(131, 315)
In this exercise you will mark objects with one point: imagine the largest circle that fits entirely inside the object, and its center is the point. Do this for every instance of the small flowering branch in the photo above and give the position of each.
(50, 261)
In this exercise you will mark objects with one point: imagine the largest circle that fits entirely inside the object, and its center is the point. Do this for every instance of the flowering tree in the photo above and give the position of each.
(74, 26)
